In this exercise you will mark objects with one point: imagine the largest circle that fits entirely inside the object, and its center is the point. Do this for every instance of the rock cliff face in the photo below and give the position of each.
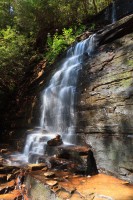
(115, 11)
(105, 106)
(105, 100)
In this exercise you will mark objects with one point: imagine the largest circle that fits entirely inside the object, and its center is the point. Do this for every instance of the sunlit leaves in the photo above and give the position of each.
(59, 43)
(13, 48)
(25, 24)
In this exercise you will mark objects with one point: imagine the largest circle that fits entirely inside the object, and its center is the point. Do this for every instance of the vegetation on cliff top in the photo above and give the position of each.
(29, 27)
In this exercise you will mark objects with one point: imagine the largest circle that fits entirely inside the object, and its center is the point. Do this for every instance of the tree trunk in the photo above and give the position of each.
(95, 6)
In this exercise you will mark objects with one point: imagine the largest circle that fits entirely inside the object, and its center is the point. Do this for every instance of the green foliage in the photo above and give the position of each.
(101, 4)
(43, 16)
(6, 14)
(12, 42)
(92, 26)
(59, 43)
(79, 29)
(130, 62)
(14, 49)
(25, 24)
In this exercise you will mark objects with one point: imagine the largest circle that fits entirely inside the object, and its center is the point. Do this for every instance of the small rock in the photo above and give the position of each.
(16, 172)
(39, 166)
(10, 177)
(45, 169)
(124, 171)
(49, 174)
(51, 182)
(83, 181)
(125, 183)
(64, 194)
(75, 176)
(55, 188)
(55, 141)
(4, 150)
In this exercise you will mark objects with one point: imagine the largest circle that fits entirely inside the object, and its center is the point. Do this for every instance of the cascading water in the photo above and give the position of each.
(58, 99)
(113, 12)
(58, 114)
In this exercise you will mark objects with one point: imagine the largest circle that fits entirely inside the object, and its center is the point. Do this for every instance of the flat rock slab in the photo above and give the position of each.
(79, 149)
(97, 187)
(39, 166)
(8, 169)
(68, 152)
(49, 174)
(16, 194)
(7, 187)
(51, 182)
(104, 186)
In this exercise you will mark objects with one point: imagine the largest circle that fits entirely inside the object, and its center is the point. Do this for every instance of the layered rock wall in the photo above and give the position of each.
(105, 107)
(115, 11)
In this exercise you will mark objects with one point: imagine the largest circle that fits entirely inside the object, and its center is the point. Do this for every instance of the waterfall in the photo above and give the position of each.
(58, 100)
(58, 114)
(113, 12)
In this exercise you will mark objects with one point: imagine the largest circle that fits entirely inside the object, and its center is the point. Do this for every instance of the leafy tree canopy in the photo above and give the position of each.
(25, 25)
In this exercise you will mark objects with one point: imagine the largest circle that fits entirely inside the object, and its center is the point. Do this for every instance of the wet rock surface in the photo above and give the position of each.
(105, 106)
(49, 174)
(55, 141)
(7, 187)
(39, 166)
(76, 159)
(12, 185)
(16, 194)
(38, 182)
(11, 179)
(66, 186)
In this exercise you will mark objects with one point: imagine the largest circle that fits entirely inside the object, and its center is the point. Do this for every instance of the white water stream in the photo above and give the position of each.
(58, 101)
(113, 12)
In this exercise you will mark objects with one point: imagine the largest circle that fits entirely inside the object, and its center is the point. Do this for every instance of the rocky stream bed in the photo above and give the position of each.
(42, 182)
